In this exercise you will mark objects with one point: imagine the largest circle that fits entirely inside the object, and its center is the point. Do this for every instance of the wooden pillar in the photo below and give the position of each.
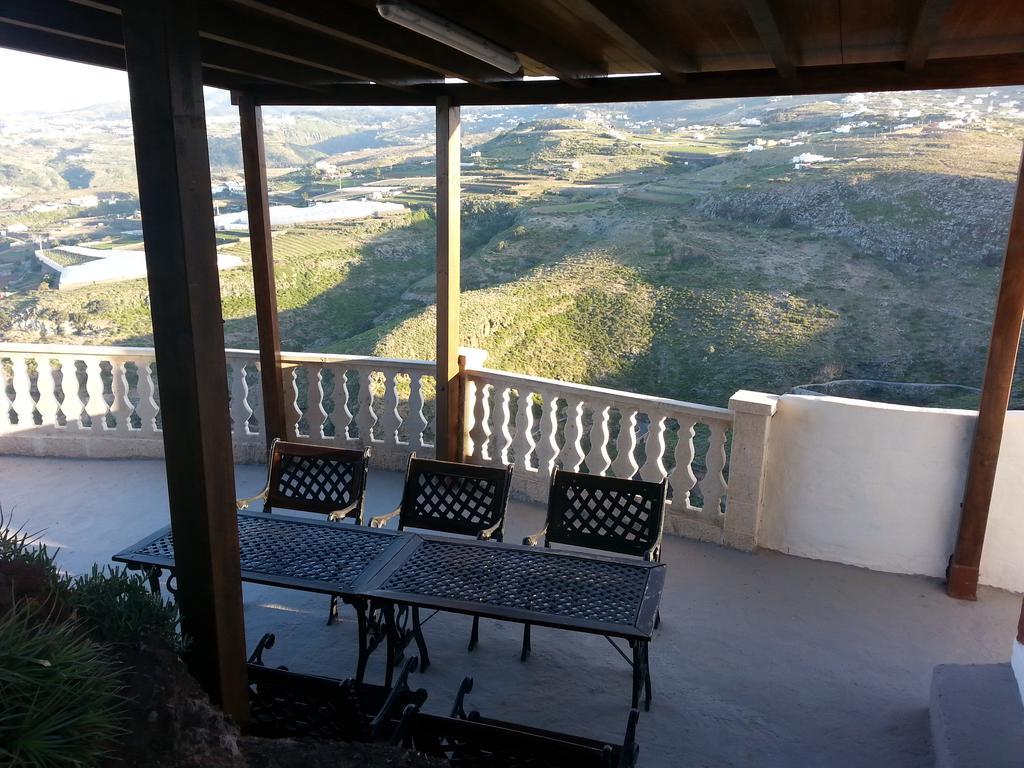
(257, 201)
(162, 55)
(995, 398)
(449, 406)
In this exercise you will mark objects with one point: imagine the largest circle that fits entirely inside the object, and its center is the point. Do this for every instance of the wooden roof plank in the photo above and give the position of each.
(246, 31)
(376, 38)
(925, 31)
(91, 25)
(972, 72)
(640, 35)
(766, 20)
(507, 25)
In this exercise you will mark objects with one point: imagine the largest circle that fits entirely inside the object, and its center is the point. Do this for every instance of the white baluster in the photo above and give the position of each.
(653, 470)
(239, 425)
(246, 393)
(417, 419)
(366, 418)
(23, 405)
(598, 460)
(291, 393)
(147, 407)
(547, 448)
(316, 413)
(72, 405)
(571, 455)
(503, 447)
(712, 486)
(625, 465)
(390, 419)
(97, 407)
(682, 478)
(120, 407)
(480, 433)
(47, 385)
(342, 417)
(523, 444)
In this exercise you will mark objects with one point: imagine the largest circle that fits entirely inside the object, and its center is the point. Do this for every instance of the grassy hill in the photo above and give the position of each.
(776, 243)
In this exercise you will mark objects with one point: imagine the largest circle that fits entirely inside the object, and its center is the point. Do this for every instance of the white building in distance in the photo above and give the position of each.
(76, 265)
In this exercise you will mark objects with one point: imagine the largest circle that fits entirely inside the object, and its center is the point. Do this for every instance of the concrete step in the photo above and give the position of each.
(977, 717)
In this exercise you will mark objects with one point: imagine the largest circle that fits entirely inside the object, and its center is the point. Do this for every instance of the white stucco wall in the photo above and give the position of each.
(880, 486)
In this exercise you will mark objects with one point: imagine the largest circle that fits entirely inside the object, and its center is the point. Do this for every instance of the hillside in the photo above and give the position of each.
(677, 250)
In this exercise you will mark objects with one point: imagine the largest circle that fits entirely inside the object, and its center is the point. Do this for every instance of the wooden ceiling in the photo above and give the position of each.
(343, 52)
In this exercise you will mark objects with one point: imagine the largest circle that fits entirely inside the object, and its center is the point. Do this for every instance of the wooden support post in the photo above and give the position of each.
(449, 406)
(165, 85)
(254, 164)
(995, 398)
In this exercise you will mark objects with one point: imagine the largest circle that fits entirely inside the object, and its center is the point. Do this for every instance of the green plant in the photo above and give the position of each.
(117, 608)
(28, 575)
(60, 694)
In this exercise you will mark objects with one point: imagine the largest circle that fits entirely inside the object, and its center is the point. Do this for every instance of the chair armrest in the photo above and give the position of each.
(267, 641)
(341, 514)
(245, 503)
(399, 690)
(459, 707)
(487, 533)
(533, 541)
(653, 555)
(381, 520)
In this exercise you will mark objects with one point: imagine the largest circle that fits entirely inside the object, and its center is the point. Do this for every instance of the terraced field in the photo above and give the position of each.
(669, 257)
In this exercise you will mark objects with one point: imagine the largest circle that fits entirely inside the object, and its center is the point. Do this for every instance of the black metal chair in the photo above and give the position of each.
(449, 497)
(469, 740)
(610, 514)
(285, 704)
(314, 478)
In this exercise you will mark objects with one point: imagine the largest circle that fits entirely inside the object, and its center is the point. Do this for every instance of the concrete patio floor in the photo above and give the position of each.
(761, 660)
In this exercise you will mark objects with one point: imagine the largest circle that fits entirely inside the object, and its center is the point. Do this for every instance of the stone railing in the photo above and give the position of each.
(104, 402)
(353, 401)
(538, 424)
(114, 401)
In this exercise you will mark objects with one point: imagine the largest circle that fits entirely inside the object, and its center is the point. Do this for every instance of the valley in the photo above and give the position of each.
(684, 250)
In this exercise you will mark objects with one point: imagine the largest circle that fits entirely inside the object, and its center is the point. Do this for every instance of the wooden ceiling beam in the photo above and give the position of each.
(640, 34)
(374, 38)
(765, 16)
(80, 51)
(92, 25)
(251, 32)
(926, 28)
(966, 72)
(502, 24)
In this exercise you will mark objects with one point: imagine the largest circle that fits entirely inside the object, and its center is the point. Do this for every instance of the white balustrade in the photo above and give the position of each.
(684, 442)
(105, 401)
(59, 400)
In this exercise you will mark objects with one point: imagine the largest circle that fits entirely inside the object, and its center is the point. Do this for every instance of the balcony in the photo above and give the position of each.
(865, 484)
(763, 657)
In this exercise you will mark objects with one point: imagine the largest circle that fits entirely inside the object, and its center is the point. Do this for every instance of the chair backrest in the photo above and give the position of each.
(471, 740)
(285, 704)
(606, 513)
(454, 498)
(315, 478)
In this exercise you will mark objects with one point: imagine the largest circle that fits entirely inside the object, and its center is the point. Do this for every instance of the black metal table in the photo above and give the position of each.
(295, 553)
(581, 592)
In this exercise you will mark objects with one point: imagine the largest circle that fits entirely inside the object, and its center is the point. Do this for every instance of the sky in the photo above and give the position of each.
(30, 83)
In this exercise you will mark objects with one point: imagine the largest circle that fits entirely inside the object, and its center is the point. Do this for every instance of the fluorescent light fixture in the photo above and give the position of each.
(443, 31)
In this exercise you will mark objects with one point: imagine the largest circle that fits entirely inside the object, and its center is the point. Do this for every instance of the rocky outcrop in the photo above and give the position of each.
(906, 218)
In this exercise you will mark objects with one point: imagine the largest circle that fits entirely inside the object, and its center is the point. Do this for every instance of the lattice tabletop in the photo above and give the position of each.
(524, 583)
(280, 550)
